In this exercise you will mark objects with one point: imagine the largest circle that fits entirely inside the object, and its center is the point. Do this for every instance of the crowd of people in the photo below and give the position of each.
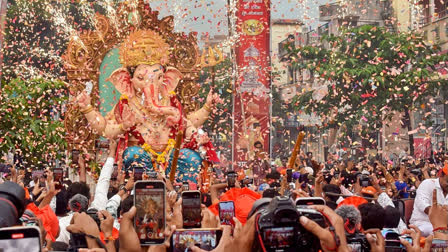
(342, 204)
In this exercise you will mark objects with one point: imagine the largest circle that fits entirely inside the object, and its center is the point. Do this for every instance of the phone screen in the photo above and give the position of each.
(289, 175)
(231, 178)
(20, 239)
(149, 221)
(310, 201)
(58, 176)
(303, 179)
(185, 186)
(206, 240)
(115, 172)
(279, 237)
(75, 156)
(138, 173)
(191, 209)
(226, 212)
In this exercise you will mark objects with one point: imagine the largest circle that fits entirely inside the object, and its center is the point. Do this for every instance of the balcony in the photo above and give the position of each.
(438, 16)
(328, 11)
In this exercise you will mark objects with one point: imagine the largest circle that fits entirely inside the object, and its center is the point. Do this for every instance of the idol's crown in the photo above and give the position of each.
(144, 47)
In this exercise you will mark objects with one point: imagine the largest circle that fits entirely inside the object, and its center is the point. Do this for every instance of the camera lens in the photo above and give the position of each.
(12, 203)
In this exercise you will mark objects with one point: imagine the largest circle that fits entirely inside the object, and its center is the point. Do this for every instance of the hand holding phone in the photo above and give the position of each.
(138, 172)
(149, 221)
(227, 212)
(205, 239)
(231, 179)
(58, 177)
(191, 209)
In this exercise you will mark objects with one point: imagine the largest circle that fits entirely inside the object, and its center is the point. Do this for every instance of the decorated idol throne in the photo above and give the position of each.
(143, 75)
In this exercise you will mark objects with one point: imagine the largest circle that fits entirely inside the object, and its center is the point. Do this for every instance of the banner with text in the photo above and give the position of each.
(252, 97)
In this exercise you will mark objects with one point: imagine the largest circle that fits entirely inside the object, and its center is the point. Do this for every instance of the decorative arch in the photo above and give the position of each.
(85, 54)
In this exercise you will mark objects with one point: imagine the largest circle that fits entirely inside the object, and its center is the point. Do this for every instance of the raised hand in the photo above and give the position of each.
(129, 240)
(107, 222)
(415, 234)
(438, 214)
(327, 239)
(376, 240)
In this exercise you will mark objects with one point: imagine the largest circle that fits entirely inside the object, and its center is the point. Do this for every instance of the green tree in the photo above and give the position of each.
(30, 112)
(371, 75)
(37, 33)
(221, 122)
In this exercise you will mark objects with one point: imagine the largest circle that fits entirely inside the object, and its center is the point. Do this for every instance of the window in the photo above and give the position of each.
(437, 33)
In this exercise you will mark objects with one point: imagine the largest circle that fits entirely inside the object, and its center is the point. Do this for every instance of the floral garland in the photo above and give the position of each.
(160, 158)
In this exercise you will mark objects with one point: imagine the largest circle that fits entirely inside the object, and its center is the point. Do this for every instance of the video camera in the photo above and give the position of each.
(278, 227)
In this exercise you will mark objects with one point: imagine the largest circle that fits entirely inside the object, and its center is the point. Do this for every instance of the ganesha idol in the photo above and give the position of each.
(148, 116)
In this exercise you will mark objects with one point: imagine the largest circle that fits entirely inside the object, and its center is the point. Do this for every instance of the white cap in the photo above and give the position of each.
(309, 170)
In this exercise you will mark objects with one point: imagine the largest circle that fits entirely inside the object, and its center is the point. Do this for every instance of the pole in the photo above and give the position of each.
(3, 6)
(233, 80)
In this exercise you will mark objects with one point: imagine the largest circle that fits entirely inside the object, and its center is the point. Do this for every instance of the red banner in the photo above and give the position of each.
(252, 98)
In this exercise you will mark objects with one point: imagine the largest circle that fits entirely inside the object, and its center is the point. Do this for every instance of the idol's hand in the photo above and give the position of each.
(128, 117)
(212, 99)
(82, 100)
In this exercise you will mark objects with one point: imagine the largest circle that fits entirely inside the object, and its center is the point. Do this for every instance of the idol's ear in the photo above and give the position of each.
(121, 79)
(172, 77)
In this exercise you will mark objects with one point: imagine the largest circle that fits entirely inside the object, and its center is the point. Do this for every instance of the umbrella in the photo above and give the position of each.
(354, 200)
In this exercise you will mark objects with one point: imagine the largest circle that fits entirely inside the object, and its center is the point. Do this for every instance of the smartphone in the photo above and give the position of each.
(58, 174)
(191, 209)
(231, 179)
(226, 212)
(149, 221)
(152, 175)
(185, 186)
(14, 239)
(289, 175)
(114, 175)
(310, 201)
(205, 239)
(303, 179)
(75, 156)
(138, 173)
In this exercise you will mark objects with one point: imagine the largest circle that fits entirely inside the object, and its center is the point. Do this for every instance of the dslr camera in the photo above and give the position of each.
(393, 243)
(278, 227)
(357, 242)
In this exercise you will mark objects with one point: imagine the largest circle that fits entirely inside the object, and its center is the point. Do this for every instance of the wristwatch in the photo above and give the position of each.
(123, 187)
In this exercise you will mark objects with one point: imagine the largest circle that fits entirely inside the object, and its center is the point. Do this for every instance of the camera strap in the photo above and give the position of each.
(98, 240)
(257, 230)
(332, 230)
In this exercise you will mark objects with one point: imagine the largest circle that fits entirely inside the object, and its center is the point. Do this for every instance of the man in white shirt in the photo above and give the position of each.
(423, 201)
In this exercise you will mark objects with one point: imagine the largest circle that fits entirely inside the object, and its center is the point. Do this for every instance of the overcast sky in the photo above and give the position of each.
(210, 16)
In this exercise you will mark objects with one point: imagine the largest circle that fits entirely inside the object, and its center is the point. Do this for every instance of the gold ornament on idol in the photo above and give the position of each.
(144, 47)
